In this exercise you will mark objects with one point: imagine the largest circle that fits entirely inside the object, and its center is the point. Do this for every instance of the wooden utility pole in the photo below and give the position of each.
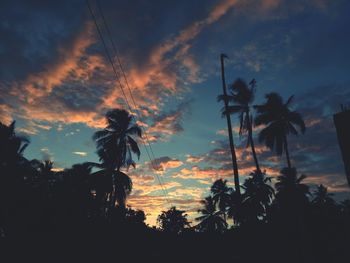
(229, 127)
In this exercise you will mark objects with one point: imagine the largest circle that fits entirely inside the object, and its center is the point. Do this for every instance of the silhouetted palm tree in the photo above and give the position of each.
(242, 96)
(280, 121)
(291, 193)
(173, 221)
(12, 145)
(257, 196)
(13, 168)
(46, 167)
(324, 209)
(112, 186)
(43, 168)
(115, 143)
(229, 127)
(322, 197)
(235, 208)
(211, 220)
(41, 178)
(115, 146)
(221, 195)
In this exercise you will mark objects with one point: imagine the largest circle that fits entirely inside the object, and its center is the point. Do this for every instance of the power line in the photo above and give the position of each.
(116, 54)
(122, 89)
(121, 86)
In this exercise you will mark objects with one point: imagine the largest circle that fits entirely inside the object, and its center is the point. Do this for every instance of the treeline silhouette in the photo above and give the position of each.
(80, 213)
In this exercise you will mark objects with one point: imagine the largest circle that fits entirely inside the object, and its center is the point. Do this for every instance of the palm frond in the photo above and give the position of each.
(289, 101)
(123, 187)
(134, 147)
(99, 135)
(134, 130)
(296, 118)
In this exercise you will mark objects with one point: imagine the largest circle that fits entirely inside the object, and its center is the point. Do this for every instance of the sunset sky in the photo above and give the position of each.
(56, 82)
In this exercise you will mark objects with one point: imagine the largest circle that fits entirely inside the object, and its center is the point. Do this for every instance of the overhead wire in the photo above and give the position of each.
(122, 88)
(116, 53)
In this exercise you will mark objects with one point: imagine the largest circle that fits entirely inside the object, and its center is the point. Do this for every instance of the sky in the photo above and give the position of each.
(57, 83)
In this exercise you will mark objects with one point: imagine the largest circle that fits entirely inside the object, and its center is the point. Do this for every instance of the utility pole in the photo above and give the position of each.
(229, 127)
(341, 121)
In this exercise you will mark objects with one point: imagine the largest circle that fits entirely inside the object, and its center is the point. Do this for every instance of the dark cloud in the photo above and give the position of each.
(31, 31)
(169, 123)
(163, 163)
(159, 19)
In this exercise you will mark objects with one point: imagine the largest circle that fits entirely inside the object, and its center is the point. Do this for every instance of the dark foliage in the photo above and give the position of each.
(81, 213)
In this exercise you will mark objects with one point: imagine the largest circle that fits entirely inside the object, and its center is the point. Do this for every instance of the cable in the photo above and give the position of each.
(122, 89)
(116, 54)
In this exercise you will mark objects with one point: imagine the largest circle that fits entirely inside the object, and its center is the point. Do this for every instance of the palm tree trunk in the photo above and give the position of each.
(229, 126)
(250, 127)
(287, 152)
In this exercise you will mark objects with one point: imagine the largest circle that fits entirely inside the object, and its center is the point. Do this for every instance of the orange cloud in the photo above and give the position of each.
(5, 114)
(41, 84)
(154, 205)
(162, 164)
(202, 173)
(193, 159)
(157, 70)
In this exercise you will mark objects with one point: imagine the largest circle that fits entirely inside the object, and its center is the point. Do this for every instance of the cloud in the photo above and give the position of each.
(78, 83)
(222, 132)
(46, 154)
(38, 85)
(74, 62)
(46, 95)
(157, 69)
(81, 153)
(5, 114)
(164, 163)
(33, 128)
(145, 184)
(195, 172)
(193, 159)
(167, 124)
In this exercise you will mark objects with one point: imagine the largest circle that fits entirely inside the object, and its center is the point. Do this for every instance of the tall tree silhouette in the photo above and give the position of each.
(12, 145)
(115, 143)
(173, 221)
(235, 208)
(258, 195)
(229, 127)
(12, 174)
(211, 219)
(280, 121)
(78, 187)
(221, 195)
(241, 96)
(291, 193)
(115, 147)
(324, 206)
(322, 197)
(43, 168)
